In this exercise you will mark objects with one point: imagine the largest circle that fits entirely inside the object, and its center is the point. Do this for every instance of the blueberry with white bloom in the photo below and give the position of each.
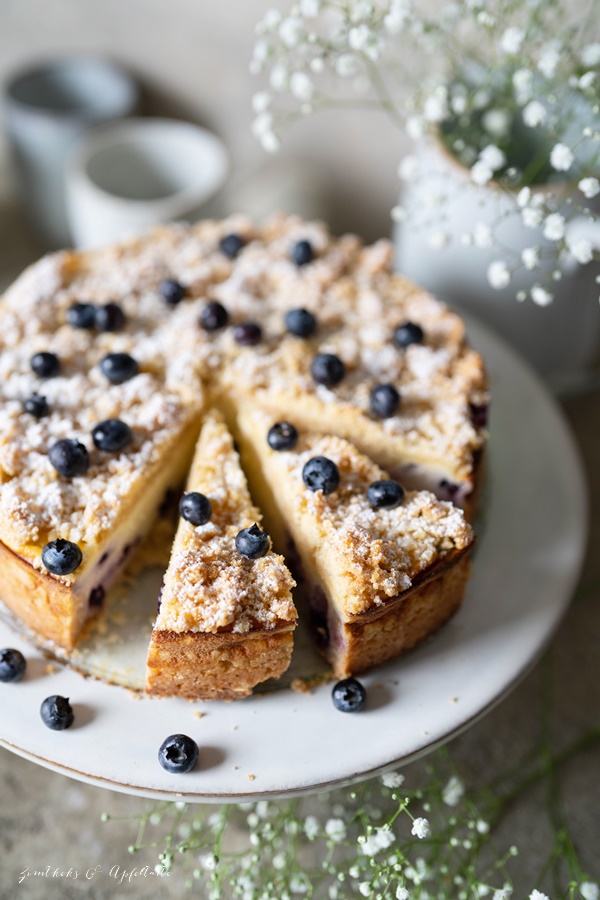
(231, 245)
(252, 542)
(321, 474)
(408, 333)
(61, 557)
(327, 369)
(45, 365)
(178, 753)
(12, 665)
(69, 457)
(349, 695)
(57, 713)
(36, 406)
(384, 401)
(112, 435)
(195, 508)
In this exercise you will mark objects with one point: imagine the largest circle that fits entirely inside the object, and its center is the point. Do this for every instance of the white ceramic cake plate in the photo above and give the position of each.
(531, 543)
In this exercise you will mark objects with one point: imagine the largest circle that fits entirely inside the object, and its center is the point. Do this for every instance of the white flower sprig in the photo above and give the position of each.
(517, 106)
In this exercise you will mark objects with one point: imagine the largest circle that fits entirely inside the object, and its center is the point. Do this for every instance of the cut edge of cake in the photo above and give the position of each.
(357, 636)
(225, 622)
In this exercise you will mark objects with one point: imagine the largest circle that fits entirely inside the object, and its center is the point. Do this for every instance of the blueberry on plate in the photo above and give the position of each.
(112, 435)
(45, 365)
(327, 369)
(178, 753)
(195, 508)
(408, 333)
(252, 542)
(69, 457)
(82, 315)
(302, 253)
(213, 316)
(110, 317)
(385, 494)
(37, 406)
(12, 665)
(282, 436)
(172, 291)
(385, 401)
(230, 245)
(300, 322)
(57, 713)
(321, 474)
(61, 557)
(247, 334)
(349, 695)
(119, 367)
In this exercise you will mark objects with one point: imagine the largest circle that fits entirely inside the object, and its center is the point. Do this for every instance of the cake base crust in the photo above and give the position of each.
(201, 666)
(370, 641)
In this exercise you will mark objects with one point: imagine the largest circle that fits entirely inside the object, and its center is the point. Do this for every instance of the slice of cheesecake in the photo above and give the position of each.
(379, 580)
(226, 615)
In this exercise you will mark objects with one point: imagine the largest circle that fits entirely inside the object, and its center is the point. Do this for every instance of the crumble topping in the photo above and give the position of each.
(367, 555)
(358, 303)
(209, 586)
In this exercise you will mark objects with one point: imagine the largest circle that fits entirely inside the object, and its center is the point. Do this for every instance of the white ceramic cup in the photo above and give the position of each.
(46, 107)
(129, 175)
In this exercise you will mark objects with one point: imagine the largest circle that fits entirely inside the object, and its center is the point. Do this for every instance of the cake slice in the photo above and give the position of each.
(225, 621)
(379, 580)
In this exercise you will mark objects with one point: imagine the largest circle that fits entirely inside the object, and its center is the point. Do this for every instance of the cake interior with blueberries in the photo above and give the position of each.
(382, 567)
(226, 615)
(109, 360)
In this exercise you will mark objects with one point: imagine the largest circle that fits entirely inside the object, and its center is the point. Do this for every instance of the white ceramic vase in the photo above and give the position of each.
(561, 340)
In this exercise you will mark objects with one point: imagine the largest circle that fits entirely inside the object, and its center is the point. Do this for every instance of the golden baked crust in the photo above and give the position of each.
(225, 622)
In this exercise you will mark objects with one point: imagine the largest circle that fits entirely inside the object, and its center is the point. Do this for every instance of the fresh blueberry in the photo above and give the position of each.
(408, 333)
(302, 253)
(37, 406)
(321, 474)
(195, 508)
(247, 334)
(112, 435)
(12, 665)
(385, 400)
(61, 557)
(385, 494)
(57, 713)
(178, 753)
(82, 315)
(110, 317)
(172, 291)
(230, 245)
(119, 367)
(300, 322)
(282, 436)
(213, 316)
(349, 695)
(252, 542)
(69, 457)
(479, 414)
(45, 365)
(327, 369)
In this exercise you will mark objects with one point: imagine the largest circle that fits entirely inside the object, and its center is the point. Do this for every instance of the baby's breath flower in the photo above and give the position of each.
(379, 839)
(590, 55)
(534, 114)
(310, 8)
(311, 827)
(589, 187)
(511, 40)
(537, 895)
(301, 86)
(435, 108)
(298, 885)
(420, 828)
(279, 77)
(346, 65)
(581, 248)
(530, 257)
(589, 890)
(540, 296)
(554, 227)
(364, 889)
(392, 779)
(261, 101)
(454, 789)
(523, 82)
(504, 893)
(291, 31)
(561, 158)
(550, 58)
(481, 173)
(402, 894)
(398, 16)
(498, 274)
(493, 157)
(531, 217)
(335, 829)
(407, 169)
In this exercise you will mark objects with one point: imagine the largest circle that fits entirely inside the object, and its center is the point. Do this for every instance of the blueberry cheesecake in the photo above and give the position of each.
(110, 358)
(382, 567)
(226, 615)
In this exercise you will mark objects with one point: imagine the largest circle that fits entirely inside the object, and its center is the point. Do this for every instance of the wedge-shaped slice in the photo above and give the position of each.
(379, 580)
(225, 622)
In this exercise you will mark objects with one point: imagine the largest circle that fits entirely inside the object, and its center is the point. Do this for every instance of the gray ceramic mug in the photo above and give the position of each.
(46, 108)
